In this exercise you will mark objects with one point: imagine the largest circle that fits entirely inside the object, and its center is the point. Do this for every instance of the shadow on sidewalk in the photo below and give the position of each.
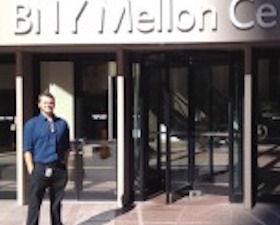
(107, 216)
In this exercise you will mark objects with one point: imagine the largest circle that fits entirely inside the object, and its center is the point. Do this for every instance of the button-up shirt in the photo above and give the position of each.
(47, 141)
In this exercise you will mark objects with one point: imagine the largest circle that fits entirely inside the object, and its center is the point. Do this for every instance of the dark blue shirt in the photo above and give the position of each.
(47, 142)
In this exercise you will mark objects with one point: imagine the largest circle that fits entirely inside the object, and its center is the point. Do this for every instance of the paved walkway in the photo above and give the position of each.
(201, 210)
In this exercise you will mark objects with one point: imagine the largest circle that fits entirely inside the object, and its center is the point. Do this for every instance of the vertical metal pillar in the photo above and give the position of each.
(167, 118)
(191, 126)
(248, 156)
(120, 141)
(24, 110)
(124, 133)
(20, 174)
(111, 73)
(110, 108)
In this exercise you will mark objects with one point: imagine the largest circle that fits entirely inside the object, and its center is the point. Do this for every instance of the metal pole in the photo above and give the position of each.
(20, 172)
(248, 181)
(120, 141)
(110, 108)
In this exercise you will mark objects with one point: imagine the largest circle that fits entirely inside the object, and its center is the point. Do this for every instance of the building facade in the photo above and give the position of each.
(186, 93)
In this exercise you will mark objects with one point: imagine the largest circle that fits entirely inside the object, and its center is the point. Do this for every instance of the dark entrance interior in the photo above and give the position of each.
(187, 123)
(267, 124)
(7, 127)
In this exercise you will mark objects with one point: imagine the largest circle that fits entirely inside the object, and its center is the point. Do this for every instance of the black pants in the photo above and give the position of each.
(38, 185)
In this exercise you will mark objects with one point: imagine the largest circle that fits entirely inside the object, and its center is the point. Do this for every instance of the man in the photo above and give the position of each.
(46, 147)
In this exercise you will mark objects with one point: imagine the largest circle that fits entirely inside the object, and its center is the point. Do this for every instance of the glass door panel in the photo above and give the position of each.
(204, 147)
(217, 126)
(267, 187)
(178, 131)
(235, 116)
(187, 123)
(7, 131)
(155, 128)
(148, 132)
(211, 124)
(95, 100)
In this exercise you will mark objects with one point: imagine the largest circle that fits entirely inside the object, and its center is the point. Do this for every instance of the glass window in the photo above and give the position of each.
(7, 132)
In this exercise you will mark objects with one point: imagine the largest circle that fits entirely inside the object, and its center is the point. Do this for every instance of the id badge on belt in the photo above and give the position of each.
(48, 172)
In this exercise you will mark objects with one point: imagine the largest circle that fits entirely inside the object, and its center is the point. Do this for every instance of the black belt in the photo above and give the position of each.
(54, 164)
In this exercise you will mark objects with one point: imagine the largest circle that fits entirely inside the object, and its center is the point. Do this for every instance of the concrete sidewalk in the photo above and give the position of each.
(202, 210)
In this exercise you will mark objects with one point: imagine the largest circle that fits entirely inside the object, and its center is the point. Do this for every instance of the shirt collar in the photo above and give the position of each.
(42, 117)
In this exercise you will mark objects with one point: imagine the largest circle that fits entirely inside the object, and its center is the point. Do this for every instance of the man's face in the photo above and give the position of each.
(46, 105)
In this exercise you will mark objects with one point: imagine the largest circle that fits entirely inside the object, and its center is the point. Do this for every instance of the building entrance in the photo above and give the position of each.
(7, 128)
(188, 124)
(267, 120)
(85, 93)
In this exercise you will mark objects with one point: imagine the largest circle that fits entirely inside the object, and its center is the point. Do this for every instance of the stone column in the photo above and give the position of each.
(124, 150)
(24, 110)
(247, 145)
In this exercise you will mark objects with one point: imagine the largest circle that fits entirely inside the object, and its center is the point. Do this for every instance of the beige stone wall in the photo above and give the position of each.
(58, 78)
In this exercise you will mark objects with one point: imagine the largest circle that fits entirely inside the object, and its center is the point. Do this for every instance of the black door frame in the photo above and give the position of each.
(148, 187)
(235, 82)
(191, 128)
(191, 138)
